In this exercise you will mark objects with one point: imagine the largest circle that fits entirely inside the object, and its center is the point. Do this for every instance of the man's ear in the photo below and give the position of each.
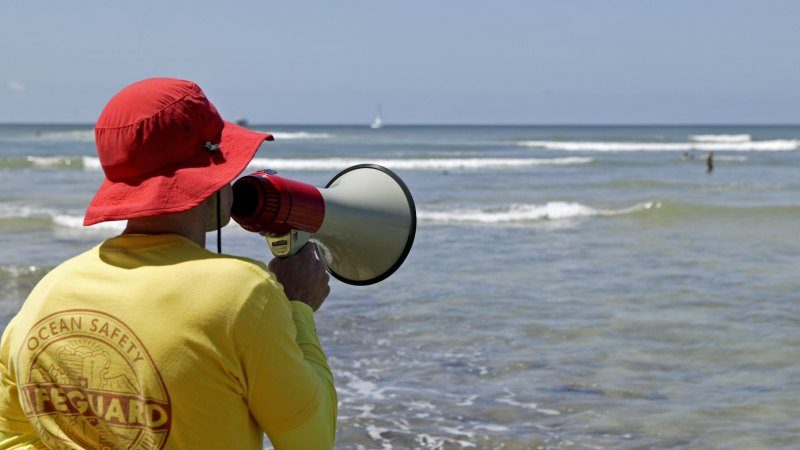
(209, 209)
(209, 206)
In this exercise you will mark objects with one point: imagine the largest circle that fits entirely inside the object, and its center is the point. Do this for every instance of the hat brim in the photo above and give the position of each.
(181, 188)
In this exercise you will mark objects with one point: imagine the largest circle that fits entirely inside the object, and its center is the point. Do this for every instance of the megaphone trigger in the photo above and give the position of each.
(286, 244)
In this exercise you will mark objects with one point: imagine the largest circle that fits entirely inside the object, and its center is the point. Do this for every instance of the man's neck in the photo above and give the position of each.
(185, 224)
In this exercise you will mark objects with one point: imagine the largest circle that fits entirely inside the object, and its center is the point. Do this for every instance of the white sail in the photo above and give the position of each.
(378, 122)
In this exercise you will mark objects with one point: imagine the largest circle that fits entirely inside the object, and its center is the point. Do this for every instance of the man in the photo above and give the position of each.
(149, 341)
(710, 162)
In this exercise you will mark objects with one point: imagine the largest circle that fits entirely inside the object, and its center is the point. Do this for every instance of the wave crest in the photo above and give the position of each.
(92, 163)
(414, 164)
(69, 136)
(76, 222)
(720, 137)
(528, 213)
(299, 135)
(775, 145)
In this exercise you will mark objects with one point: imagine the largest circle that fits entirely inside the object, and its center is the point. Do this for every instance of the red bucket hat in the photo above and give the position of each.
(164, 148)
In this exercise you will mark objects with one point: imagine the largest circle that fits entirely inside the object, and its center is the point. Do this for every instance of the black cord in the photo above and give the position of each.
(219, 227)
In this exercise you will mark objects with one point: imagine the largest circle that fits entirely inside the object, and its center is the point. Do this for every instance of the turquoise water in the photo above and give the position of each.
(569, 287)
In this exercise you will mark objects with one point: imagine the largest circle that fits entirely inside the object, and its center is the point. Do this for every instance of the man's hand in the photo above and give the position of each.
(303, 277)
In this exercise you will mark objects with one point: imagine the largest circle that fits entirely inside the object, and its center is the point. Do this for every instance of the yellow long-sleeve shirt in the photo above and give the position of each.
(150, 341)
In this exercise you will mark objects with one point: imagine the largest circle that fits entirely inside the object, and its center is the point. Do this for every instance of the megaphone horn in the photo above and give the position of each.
(363, 222)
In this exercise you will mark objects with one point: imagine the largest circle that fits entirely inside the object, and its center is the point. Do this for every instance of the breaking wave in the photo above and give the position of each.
(278, 135)
(57, 218)
(721, 137)
(71, 135)
(527, 213)
(521, 214)
(51, 162)
(86, 136)
(775, 145)
(57, 161)
(13, 211)
(92, 163)
(414, 164)
(515, 214)
(76, 222)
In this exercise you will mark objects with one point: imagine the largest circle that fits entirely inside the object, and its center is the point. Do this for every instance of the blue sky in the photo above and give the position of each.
(520, 62)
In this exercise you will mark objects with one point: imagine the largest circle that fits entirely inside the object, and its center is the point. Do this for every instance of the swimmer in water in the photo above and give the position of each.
(710, 162)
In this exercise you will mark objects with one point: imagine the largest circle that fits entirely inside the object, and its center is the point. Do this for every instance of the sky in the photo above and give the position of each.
(423, 62)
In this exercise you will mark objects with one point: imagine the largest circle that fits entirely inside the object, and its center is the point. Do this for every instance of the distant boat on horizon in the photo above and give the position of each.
(378, 122)
(242, 121)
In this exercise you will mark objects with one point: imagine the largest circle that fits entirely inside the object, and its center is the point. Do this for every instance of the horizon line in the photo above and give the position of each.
(467, 124)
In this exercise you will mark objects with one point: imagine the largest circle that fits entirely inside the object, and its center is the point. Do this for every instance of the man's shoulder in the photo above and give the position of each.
(190, 263)
(240, 265)
(236, 274)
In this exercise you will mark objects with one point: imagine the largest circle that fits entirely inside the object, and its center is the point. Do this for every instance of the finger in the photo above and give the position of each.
(311, 249)
(304, 250)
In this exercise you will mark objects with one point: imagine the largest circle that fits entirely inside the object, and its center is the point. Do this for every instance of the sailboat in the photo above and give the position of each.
(378, 122)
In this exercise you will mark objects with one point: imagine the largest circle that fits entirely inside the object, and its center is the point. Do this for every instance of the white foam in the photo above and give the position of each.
(60, 219)
(421, 405)
(87, 162)
(50, 161)
(721, 137)
(88, 135)
(76, 222)
(438, 442)
(20, 271)
(490, 427)
(775, 145)
(71, 135)
(12, 211)
(508, 399)
(457, 431)
(468, 402)
(91, 163)
(278, 135)
(527, 213)
(376, 434)
(413, 164)
(362, 389)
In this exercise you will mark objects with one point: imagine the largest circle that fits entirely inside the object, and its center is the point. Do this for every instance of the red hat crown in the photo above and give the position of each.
(155, 126)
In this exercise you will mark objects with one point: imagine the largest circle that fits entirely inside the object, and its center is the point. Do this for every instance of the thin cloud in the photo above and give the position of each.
(16, 86)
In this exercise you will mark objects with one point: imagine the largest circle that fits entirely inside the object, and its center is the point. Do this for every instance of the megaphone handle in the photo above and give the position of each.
(288, 244)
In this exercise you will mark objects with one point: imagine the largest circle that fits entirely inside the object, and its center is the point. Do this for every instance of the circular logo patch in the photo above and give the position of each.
(88, 382)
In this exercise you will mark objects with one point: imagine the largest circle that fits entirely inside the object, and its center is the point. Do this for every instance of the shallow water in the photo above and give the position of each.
(569, 287)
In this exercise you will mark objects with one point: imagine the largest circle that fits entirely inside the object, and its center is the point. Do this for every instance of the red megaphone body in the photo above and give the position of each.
(267, 203)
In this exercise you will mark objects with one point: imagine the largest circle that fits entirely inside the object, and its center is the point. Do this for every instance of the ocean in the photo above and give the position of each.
(570, 287)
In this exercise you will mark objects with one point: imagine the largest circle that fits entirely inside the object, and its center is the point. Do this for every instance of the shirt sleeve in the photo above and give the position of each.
(290, 389)
(12, 419)
(319, 431)
(13, 441)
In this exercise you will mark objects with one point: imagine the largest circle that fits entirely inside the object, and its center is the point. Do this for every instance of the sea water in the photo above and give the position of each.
(568, 288)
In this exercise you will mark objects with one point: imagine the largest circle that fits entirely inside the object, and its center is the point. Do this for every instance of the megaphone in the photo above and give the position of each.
(363, 222)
